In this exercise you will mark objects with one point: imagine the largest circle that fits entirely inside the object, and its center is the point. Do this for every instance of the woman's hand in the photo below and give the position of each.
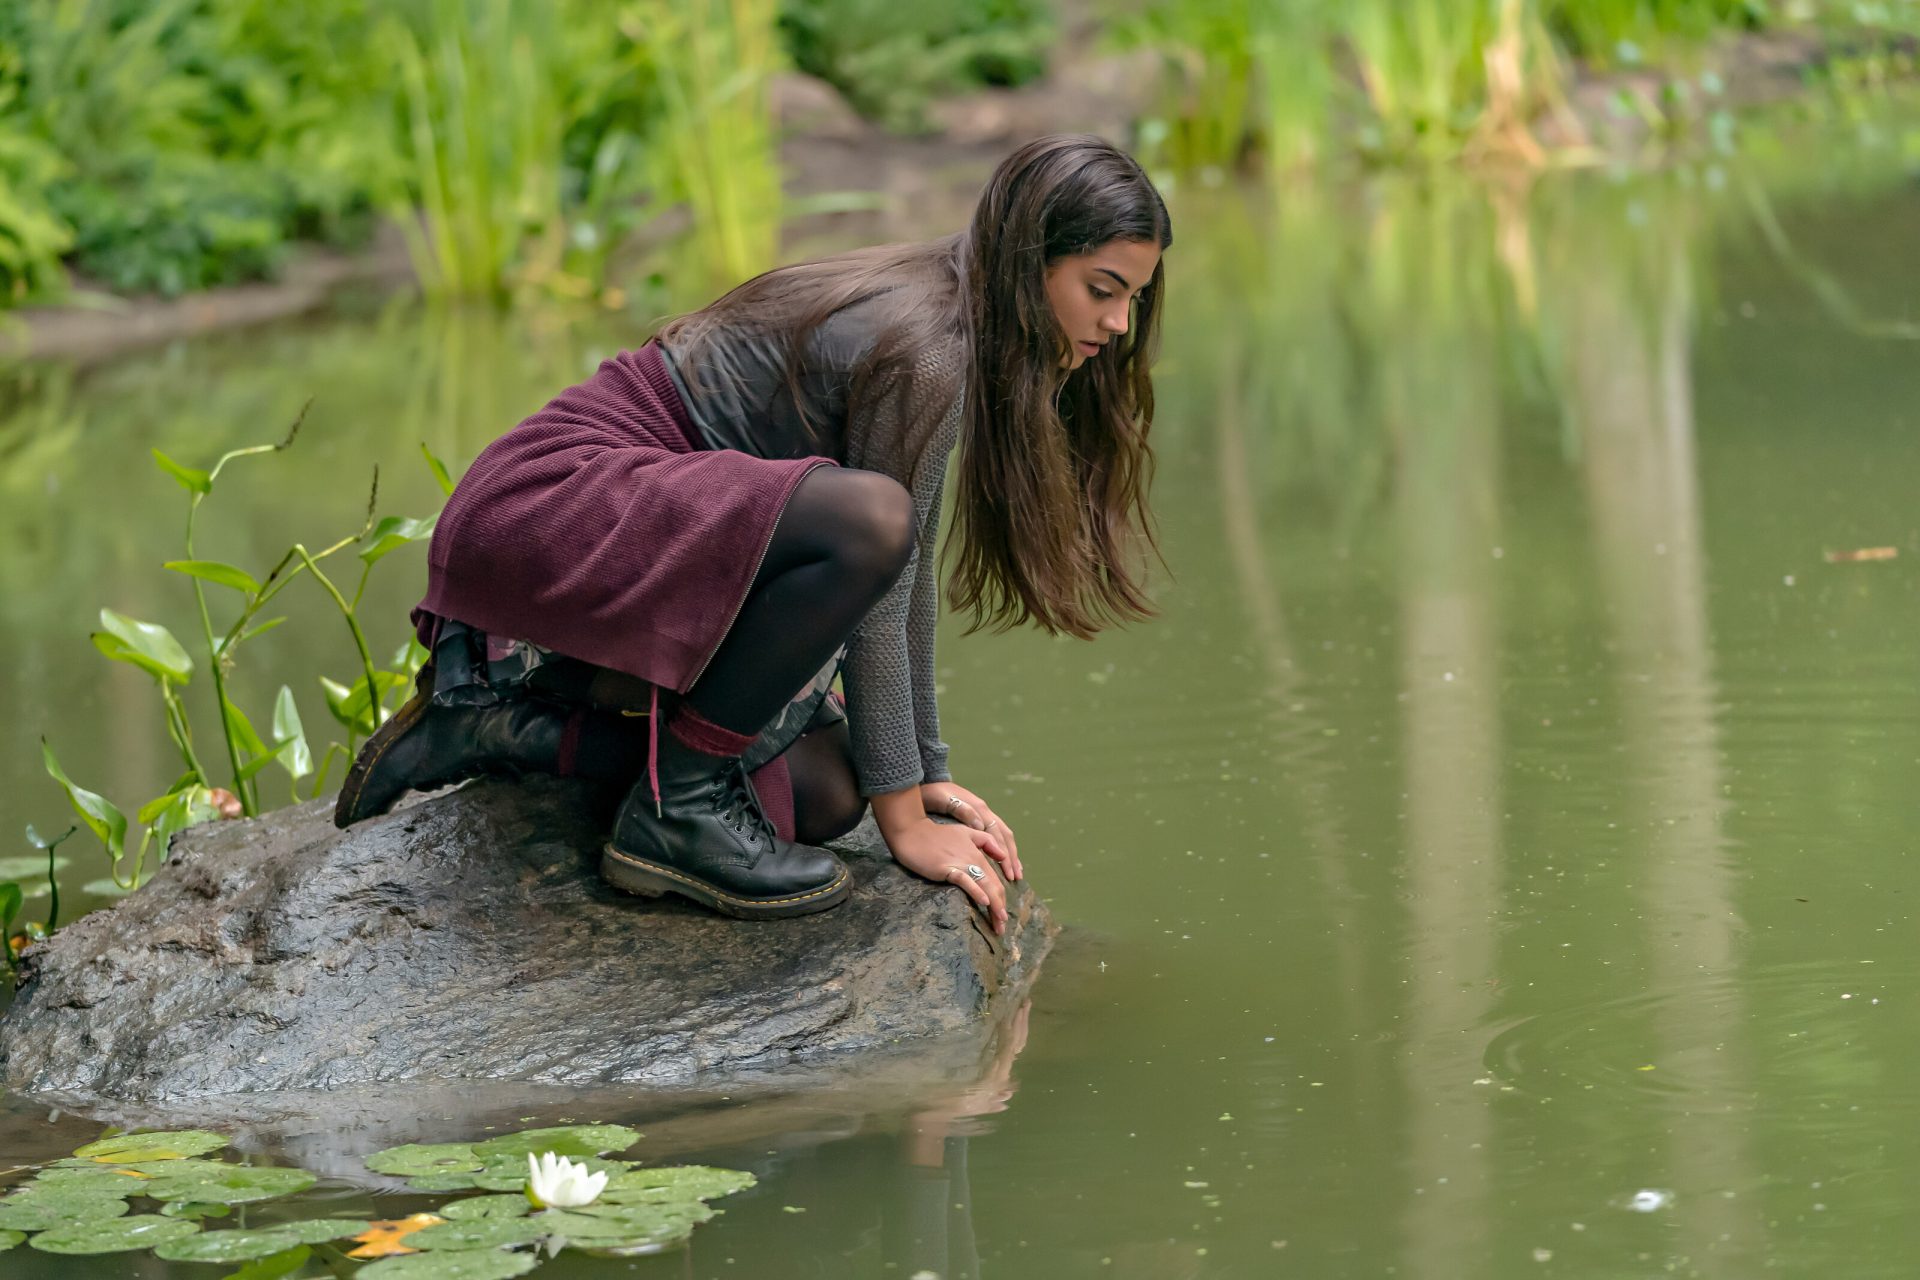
(943, 852)
(951, 800)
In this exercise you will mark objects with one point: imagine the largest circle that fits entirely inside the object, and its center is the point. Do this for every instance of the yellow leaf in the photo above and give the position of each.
(383, 1239)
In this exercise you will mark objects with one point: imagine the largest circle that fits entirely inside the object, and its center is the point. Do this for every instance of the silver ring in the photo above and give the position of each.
(991, 825)
(976, 872)
(954, 803)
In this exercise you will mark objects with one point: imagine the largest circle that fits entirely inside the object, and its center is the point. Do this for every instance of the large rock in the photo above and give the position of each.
(468, 937)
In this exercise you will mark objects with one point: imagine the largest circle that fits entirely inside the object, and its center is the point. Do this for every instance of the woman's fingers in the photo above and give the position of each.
(991, 845)
(986, 894)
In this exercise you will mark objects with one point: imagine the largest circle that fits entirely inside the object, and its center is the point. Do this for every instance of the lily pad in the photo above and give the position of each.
(443, 1182)
(506, 1206)
(227, 1246)
(274, 1266)
(567, 1140)
(479, 1233)
(186, 1168)
(194, 1210)
(130, 1148)
(41, 1208)
(676, 1182)
(630, 1224)
(115, 1235)
(96, 1179)
(240, 1184)
(8, 1239)
(320, 1230)
(456, 1264)
(416, 1159)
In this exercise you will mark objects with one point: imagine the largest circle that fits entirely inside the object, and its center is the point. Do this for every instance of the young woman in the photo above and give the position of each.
(748, 505)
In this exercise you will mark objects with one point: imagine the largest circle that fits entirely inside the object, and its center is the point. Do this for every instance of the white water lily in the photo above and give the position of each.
(555, 1182)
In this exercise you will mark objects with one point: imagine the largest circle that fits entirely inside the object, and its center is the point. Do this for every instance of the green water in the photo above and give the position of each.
(1512, 811)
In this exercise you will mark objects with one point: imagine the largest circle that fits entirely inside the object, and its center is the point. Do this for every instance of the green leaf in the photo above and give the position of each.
(90, 1178)
(241, 1184)
(478, 1233)
(243, 730)
(472, 1264)
(194, 1210)
(10, 900)
(45, 1207)
(501, 1206)
(117, 1235)
(413, 1159)
(176, 1144)
(437, 1182)
(678, 1182)
(292, 752)
(321, 1230)
(272, 1268)
(353, 708)
(146, 645)
(99, 813)
(8, 1239)
(226, 575)
(191, 480)
(393, 533)
(185, 808)
(628, 1224)
(567, 1140)
(439, 470)
(227, 1246)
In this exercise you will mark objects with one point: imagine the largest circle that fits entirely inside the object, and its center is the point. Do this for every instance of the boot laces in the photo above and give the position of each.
(744, 814)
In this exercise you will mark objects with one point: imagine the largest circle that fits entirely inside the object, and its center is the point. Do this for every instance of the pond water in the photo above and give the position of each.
(1510, 815)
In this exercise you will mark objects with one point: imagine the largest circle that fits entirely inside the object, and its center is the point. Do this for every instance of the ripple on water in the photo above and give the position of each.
(1817, 1047)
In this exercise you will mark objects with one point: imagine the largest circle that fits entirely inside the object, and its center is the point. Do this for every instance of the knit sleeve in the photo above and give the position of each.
(891, 708)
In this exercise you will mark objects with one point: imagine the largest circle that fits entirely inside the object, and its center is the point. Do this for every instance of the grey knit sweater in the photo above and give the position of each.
(741, 399)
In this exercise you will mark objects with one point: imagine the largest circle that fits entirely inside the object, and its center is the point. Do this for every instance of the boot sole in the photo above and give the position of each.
(649, 880)
(348, 810)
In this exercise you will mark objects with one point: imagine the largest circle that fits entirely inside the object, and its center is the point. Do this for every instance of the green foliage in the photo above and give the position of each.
(361, 707)
(892, 59)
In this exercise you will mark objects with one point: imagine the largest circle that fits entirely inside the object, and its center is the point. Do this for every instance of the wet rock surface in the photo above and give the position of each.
(469, 937)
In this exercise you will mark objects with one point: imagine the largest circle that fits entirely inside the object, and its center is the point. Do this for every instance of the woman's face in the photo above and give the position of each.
(1092, 293)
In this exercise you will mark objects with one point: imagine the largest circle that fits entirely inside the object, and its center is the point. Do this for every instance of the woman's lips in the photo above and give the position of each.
(1089, 348)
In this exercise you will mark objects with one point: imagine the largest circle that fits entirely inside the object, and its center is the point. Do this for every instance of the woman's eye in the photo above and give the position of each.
(1101, 294)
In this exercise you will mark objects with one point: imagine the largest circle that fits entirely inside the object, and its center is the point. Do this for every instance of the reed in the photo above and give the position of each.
(713, 142)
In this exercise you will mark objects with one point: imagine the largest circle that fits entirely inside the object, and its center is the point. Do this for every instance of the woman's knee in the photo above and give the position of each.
(827, 803)
(872, 518)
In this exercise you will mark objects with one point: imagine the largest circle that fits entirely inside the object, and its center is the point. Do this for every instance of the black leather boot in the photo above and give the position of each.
(424, 746)
(710, 841)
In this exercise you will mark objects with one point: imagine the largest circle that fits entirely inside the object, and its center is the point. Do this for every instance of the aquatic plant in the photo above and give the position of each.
(359, 706)
(83, 1205)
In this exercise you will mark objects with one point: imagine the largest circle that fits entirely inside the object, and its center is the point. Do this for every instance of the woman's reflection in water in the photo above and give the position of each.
(891, 1204)
(927, 1218)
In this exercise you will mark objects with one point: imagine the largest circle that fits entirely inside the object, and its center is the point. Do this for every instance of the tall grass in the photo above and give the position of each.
(713, 138)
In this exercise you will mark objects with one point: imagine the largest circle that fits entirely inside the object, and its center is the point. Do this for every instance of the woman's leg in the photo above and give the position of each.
(826, 794)
(693, 826)
(841, 541)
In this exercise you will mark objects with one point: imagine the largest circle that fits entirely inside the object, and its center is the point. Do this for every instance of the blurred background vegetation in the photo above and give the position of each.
(166, 146)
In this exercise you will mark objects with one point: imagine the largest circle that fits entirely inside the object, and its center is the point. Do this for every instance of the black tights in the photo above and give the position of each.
(841, 541)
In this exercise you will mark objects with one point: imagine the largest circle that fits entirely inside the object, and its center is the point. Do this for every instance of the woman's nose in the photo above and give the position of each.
(1115, 321)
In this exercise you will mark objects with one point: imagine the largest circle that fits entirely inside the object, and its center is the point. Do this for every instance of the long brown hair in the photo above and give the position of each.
(1051, 518)
(1052, 503)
